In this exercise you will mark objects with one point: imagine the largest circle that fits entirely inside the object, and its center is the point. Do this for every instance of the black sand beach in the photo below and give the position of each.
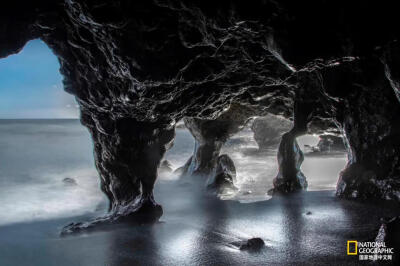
(307, 228)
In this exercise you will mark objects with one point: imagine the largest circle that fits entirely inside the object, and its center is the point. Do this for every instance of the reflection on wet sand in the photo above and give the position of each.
(196, 229)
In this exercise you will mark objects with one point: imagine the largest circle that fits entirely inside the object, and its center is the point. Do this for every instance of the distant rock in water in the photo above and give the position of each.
(225, 175)
(181, 171)
(252, 244)
(269, 129)
(236, 141)
(101, 206)
(166, 166)
(327, 144)
(69, 181)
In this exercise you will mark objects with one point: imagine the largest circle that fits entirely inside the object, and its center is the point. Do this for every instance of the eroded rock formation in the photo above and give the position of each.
(210, 135)
(369, 118)
(127, 155)
(327, 144)
(268, 130)
(290, 157)
(224, 177)
(388, 233)
(165, 167)
(137, 67)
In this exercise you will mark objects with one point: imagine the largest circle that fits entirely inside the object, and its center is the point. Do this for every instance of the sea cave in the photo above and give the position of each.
(279, 71)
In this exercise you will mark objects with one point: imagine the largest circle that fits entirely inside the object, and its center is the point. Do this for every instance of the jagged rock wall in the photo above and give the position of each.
(368, 115)
(157, 61)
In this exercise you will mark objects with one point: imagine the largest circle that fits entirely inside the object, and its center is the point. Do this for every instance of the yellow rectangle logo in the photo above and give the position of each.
(355, 247)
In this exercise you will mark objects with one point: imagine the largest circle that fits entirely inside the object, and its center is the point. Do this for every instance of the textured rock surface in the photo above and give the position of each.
(391, 60)
(209, 137)
(290, 157)
(165, 166)
(224, 177)
(328, 143)
(269, 129)
(127, 155)
(137, 67)
(389, 234)
(369, 117)
(252, 244)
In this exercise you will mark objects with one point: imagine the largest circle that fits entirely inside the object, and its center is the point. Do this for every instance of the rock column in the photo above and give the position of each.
(210, 135)
(127, 155)
(290, 157)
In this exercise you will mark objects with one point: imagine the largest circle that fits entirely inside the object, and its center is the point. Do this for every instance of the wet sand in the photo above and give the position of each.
(197, 230)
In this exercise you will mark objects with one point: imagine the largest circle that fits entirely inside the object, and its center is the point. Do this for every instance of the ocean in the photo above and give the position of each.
(37, 155)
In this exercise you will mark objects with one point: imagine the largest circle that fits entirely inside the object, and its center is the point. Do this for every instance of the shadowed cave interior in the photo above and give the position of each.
(137, 68)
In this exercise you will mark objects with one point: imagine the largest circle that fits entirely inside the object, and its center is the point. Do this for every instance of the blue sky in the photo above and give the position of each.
(31, 87)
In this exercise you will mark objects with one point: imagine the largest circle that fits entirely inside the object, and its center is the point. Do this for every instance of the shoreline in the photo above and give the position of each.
(309, 227)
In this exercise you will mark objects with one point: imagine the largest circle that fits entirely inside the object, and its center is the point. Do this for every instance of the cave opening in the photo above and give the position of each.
(325, 157)
(32, 85)
(253, 150)
(47, 167)
(137, 67)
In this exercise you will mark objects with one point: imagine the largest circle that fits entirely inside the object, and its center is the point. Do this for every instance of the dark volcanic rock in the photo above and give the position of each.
(252, 244)
(165, 166)
(328, 143)
(209, 137)
(391, 60)
(389, 233)
(226, 165)
(269, 129)
(69, 181)
(147, 212)
(128, 154)
(224, 177)
(137, 67)
(369, 116)
(290, 157)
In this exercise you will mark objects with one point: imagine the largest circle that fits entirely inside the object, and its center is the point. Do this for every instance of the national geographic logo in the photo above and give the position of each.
(370, 250)
(352, 247)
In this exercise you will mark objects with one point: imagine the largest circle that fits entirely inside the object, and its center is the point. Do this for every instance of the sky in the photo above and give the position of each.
(31, 87)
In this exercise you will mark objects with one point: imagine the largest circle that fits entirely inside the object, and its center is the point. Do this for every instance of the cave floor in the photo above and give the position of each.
(198, 230)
